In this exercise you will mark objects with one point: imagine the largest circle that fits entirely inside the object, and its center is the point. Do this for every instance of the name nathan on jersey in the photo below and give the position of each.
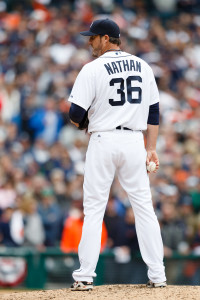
(123, 65)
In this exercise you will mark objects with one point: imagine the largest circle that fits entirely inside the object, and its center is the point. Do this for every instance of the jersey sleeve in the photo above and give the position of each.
(154, 94)
(83, 91)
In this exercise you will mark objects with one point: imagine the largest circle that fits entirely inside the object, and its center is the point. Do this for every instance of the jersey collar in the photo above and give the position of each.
(113, 53)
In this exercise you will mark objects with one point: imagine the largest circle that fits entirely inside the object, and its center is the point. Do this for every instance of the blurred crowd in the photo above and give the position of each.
(42, 154)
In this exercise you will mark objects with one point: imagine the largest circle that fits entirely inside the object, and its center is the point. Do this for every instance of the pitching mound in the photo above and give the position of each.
(111, 292)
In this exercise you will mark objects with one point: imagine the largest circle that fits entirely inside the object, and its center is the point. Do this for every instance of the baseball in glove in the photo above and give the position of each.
(83, 125)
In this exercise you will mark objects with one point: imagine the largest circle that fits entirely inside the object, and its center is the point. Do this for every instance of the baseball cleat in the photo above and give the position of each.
(150, 284)
(82, 286)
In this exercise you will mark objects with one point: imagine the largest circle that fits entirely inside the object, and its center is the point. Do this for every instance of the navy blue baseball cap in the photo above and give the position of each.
(103, 27)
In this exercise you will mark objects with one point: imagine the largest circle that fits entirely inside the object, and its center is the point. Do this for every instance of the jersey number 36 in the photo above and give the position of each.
(129, 90)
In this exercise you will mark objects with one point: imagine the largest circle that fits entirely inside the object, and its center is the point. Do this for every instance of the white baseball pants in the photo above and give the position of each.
(121, 152)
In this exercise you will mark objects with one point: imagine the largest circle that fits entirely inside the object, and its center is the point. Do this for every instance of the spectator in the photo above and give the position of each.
(172, 229)
(72, 230)
(46, 122)
(10, 104)
(7, 193)
(5, 232)
(34, 234)
(59, 185)
(115, 225)
(130, 231)
(51, 216)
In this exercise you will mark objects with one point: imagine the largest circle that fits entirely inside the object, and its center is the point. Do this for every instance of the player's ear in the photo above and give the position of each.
(106, 38)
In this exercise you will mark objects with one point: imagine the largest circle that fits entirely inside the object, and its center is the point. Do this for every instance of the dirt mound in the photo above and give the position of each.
(110, 292)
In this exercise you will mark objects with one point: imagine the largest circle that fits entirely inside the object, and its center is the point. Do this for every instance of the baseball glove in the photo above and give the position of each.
(83, 125)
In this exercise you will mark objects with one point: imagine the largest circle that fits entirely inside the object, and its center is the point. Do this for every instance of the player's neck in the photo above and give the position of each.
(113, 48)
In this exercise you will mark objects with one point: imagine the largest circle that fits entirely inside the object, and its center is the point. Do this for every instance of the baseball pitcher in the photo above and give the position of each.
(115, 97)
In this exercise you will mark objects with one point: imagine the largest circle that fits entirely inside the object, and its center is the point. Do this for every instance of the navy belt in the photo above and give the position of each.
(123, 128)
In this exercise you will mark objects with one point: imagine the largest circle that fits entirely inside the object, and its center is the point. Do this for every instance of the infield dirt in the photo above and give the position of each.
(110, 292)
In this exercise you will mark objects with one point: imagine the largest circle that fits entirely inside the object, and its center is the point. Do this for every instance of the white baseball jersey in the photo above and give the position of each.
(118, 89)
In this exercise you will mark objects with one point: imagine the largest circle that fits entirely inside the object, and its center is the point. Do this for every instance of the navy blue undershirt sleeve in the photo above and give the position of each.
(153, 118)
(76, 113)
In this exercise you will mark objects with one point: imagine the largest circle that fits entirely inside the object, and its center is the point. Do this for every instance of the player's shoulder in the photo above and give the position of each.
(88, 66)
(87, 70)
(93, 67)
